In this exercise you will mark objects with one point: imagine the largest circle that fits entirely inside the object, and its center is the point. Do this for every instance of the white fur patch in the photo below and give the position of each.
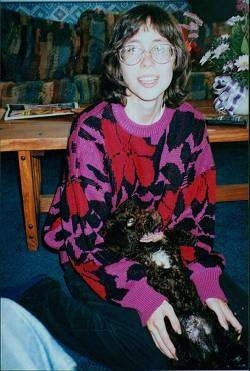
(161, 258)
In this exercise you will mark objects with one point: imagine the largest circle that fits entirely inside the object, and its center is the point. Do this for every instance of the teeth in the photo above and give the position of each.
(148, 79)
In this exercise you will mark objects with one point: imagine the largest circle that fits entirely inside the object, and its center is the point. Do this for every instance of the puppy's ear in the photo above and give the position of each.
(114, 235)
(108, 224)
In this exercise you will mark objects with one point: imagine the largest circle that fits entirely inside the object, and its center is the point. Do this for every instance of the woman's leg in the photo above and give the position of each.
(108, 333)
(26, 344)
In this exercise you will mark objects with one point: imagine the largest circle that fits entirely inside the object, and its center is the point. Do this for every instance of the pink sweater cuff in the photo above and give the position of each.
(144, 299)
(206, 281)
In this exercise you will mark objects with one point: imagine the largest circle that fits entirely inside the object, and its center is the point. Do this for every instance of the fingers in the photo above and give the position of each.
(232, 319)
(157, 328)
(216, 307)
(224, 314)
(174, 320)
(222, 320)
(163, 342)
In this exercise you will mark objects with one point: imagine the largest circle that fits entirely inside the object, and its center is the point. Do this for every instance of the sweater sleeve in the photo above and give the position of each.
(81, 205)
(204, 263)
(194, 212)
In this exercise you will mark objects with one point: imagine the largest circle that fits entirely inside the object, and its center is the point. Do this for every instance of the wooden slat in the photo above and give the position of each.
(220, 134)
(232, 192)
(45, 202)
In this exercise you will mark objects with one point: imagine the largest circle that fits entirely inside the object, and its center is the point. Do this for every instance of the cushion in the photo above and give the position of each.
(35, 48)
(92, 33)
(80, 88)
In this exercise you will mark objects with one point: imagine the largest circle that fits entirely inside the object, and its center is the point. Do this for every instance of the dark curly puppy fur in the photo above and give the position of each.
(204, 344)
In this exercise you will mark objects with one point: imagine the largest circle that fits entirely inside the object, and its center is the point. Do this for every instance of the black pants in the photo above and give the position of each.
(85, 323)
(108, 333)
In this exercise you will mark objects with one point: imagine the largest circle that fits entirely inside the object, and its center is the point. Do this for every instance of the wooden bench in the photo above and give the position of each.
(31, 137)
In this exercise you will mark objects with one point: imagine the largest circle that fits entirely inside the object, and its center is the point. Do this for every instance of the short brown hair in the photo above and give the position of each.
(114, 88)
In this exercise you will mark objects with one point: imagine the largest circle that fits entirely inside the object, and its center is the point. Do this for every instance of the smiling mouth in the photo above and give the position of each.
(154, 233)
(148, 80)
(152, 237)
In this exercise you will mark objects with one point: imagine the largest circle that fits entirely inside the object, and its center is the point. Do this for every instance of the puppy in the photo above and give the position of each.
(134, 233)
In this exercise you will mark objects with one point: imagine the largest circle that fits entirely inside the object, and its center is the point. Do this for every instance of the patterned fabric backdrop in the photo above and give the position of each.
(67, 11)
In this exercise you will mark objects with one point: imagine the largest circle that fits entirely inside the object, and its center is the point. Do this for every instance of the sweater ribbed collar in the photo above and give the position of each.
(141, 130)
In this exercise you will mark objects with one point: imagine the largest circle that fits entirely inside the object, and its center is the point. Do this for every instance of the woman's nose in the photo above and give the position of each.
(147, 59)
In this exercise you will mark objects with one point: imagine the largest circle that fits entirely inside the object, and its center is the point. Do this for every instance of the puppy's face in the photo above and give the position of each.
(129, 224)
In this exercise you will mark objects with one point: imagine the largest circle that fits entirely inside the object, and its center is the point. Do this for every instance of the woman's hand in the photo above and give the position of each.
(158, 331)
(224, 314)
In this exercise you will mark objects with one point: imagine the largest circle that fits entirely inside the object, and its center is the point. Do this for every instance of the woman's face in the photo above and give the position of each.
(148, 79)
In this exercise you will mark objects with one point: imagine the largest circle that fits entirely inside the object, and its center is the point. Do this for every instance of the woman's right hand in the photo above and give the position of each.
(158, 331)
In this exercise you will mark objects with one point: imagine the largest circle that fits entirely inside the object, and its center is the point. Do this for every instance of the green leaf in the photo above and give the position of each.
(244, 46)
(236, 37)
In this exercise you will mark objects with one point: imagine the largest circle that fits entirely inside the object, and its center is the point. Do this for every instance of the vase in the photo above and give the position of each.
(232, 98)
(242, 107)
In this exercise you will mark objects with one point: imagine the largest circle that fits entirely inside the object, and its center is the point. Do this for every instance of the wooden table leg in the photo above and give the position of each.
(29, 168)
(36, 176)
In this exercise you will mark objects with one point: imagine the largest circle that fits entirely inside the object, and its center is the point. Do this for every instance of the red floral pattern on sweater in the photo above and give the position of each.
(129, 155)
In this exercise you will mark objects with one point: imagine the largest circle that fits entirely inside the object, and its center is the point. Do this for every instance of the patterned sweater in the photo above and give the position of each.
(167, 165)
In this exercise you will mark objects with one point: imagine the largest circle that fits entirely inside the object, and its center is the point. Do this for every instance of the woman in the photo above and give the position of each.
(140, 141)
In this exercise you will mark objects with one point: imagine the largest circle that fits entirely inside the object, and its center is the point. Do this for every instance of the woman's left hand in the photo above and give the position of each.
(224, 314)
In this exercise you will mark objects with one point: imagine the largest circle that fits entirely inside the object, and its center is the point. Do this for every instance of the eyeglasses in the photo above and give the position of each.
(133, 54)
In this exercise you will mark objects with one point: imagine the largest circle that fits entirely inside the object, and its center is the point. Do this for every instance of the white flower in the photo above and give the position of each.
(219, 50)
(242, 63)
(225, 36)
(205, 57)
(231, 21)
(193, 26)
(192, 35)
(228, 66)
(194, 17)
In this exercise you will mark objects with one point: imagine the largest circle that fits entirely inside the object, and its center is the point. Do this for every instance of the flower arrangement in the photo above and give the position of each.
(229, 53)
